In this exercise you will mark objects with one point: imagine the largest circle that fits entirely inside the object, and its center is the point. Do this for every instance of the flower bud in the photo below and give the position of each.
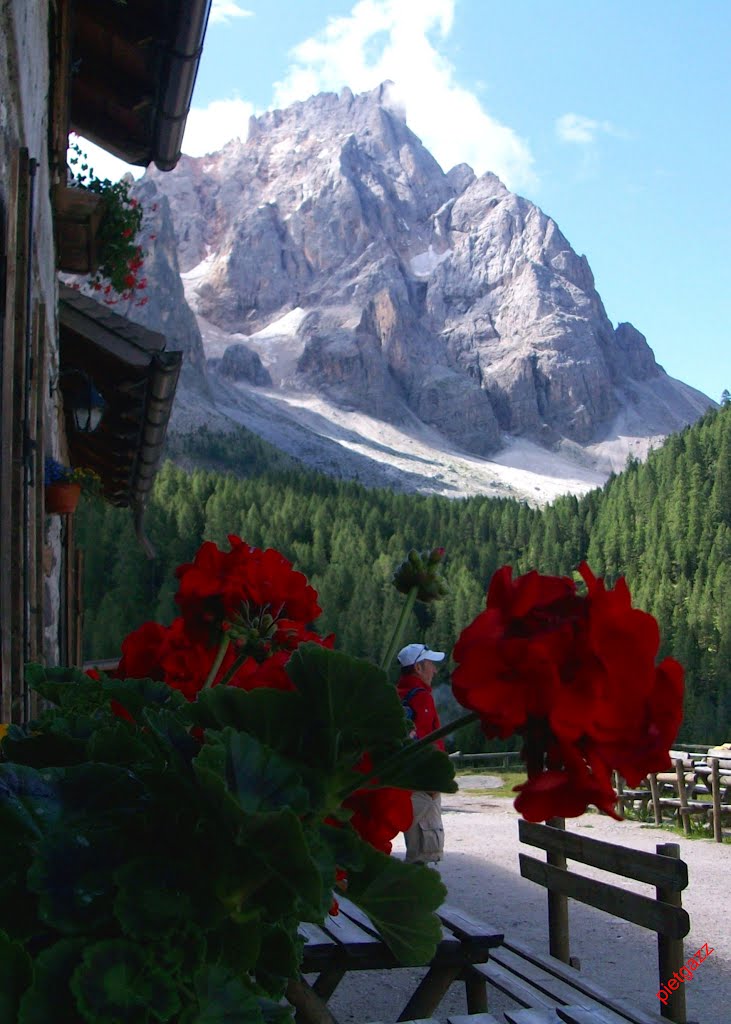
(420, 570)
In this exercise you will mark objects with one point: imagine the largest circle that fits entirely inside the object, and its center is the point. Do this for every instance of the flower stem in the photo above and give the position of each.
(222, 648)
(241, 658)
(396, 638)
(407, 752)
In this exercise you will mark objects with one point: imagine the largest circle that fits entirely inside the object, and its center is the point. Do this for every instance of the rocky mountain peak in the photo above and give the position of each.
(340, 260)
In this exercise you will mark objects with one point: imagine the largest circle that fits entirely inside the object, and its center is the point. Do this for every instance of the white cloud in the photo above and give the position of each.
(399, 40)
(209, 128)
(582, 130)
(222, 11)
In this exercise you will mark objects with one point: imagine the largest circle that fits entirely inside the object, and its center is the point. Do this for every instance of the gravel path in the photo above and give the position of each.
(480, 869)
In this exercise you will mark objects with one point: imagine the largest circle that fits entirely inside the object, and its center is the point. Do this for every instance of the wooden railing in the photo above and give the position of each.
(698, 785)
(662, 914)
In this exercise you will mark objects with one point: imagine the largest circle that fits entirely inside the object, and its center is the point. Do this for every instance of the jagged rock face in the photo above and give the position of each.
(167, 311)
(240, 363)
(336, 249)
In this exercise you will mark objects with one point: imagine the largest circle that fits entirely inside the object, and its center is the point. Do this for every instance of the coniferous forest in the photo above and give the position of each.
(664, 524)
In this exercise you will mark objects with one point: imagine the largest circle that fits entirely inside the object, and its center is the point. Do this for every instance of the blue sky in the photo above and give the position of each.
(611, 115)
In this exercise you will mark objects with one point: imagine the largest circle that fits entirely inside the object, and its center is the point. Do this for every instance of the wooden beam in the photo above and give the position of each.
(9, 232)
(630, 906)
(670, 956)
(16, 510)
(637, 864)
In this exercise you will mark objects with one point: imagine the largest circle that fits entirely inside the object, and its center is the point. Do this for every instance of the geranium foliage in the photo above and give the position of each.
(165, 829)
(180, 845)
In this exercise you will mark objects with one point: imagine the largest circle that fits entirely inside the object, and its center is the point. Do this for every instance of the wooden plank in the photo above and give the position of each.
(630, 906)
(429, 992)
(558, 905)
(310, 1008)
(475, 992)
(532, 1016)
(580, 1015)
(655, 790)
(559, 989)
(467, 927)
(16, 508)
(621, 860)
(670, 949)
(716, 797)
(321, 951)
(472, 1018)
(38, 511)
(512, 986)
(355, 941)
(7, 302)
(328, 981)
(582, 984)
(448, 940)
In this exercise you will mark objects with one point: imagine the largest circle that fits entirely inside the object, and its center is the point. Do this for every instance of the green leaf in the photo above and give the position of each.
(152, 898)
(236, 944)
(122, 744)
(350, 704)
(281, 952)
(119, 981)
(223, 998)
(42, 746)
(275, 717)
(30, 802)
(400, 899)
(74, 690)
(173, 735)
(49, 998)
(15, 975)
(276, 844)
(72, 877)
(256, 777)
(426, 768)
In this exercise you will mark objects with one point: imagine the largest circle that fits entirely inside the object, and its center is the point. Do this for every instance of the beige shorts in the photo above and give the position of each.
(425, 838)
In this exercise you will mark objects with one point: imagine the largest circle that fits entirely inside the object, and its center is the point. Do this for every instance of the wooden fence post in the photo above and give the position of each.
(670, 955)
(655, 790)
(716, 796)
(558, 906)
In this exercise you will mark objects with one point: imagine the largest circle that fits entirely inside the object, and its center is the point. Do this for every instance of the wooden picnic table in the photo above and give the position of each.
(350, 942)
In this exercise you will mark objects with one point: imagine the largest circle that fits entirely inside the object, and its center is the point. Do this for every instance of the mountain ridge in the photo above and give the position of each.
(330, 256)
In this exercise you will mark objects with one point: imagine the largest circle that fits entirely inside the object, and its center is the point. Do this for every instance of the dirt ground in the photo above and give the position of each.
(480, 869)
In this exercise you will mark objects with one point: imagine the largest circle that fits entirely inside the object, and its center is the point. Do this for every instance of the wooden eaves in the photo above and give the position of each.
(137, 378)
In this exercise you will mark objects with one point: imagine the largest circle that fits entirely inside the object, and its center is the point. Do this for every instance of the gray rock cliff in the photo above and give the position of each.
(333, 247)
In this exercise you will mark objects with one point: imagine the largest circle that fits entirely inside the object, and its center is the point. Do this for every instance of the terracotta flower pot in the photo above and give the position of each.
(62, 499)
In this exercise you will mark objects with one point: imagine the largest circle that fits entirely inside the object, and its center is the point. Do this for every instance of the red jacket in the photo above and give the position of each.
(425, 719)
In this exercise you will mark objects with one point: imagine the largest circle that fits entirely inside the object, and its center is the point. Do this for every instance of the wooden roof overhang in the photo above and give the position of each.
(132, 70)
(136, 377)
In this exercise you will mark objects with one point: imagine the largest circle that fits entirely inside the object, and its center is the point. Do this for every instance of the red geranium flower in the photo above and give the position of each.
(169, 654)
(247, 589)
(576, 677)
(379, 814)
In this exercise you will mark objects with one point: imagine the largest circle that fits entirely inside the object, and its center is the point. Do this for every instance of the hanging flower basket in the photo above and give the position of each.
(61, 499)
(63, 486)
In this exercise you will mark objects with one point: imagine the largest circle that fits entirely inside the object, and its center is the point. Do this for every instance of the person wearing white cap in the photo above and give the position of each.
(425, 838)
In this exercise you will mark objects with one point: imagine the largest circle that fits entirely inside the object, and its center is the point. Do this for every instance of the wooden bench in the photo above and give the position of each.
(549, 984)
(350, 942)
(693, 776)
(561, 1015)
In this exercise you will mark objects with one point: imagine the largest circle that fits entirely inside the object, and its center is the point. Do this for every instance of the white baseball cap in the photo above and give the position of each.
(412, 654)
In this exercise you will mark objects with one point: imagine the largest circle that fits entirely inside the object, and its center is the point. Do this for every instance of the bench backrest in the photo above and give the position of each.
(662, 913)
